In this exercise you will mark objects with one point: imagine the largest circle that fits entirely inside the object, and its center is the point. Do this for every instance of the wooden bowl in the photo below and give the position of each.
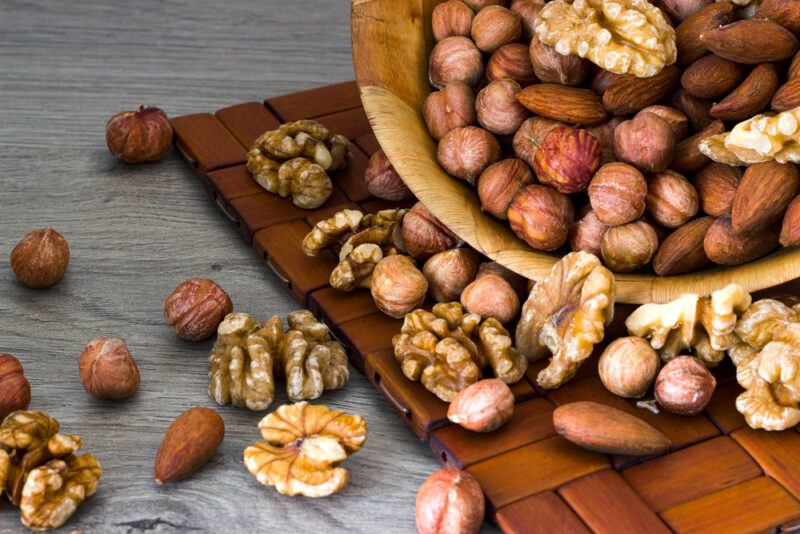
(391, 44)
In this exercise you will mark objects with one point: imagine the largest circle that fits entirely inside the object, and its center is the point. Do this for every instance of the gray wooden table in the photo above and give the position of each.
(136, 232)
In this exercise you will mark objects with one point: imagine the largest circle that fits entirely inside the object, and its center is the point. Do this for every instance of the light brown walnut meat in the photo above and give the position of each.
(5, 468)
(304, 446)
(248, 353)
(566, 315)
(620, 36)
(447, 349)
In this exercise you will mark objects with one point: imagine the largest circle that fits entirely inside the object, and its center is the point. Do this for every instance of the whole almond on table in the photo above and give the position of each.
(482, 407)
(712, 76)
(567, 104)
(784, 12)
(451, 18)
(452, 107)
(627, 94)
(751, 41)
(687, 34)
(787, 96)
(188, 444)
(790, 230)
(552, 67)
(716, 185)
(763, 194)
(499, 183)
(15, 391)
(752, 96)
(511, 61)
(687, 157)
(724, 246)
(671, 199)
(617, 193)
(40, 259)
(682, 251)
(196, 307)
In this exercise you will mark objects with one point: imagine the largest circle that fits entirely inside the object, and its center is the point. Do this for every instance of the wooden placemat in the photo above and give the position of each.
(720, 476)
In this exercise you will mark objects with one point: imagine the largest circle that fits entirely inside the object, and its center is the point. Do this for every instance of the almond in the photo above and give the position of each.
(682, 250)
(188, 444)
(716, 185)
(687, 157)
(561, 103)
(712, 76)
(794, 67)
(627, 94)
(690, 47)
(751, 41)
(763, 195)
(605, 429)
(750, 97)
(725, 247)
(784, 12)
(788, 96)
(790, 232)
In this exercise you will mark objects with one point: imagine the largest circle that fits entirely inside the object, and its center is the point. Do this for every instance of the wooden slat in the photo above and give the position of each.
(778, 454)
(758, 505)
(691, 473)
(315, 102)
(606, 503)
(263, 210)
(248, 121)
(351, 123)
(522, 390)
(338, 307)
(205, 143)
(234, 182)
(532, 421)
(368, 143)
(543, 513)
(370, 333)
(351, 179)
(722, 408)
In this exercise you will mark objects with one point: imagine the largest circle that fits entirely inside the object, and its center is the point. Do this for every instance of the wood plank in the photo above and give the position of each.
(606, 503)
(351, 123)
(205, 143)
(722, 408)
(687, 474)
(338, 307)
(234, 182)
(262, 210)
(248, 121)
(543, 513)
(778, 454)
(532, 421)
(368, 143)
(758, 505)
(522, 390)
(370, 333)
(351, 179)
(315, 102)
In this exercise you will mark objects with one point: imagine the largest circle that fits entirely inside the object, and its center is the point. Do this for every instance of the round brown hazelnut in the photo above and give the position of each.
(15, 391)
(552, 67)
(511, 61)
(455, 59)
(107, 370)
(466, 152)
(646, 142)
(491, 296)
(671, 199)
(451, 18)
(40, 259)
(716, 185)
(383, 181)
(495, 26)
(617, 193)
(530, 136)
(424, 235)
(529, 11)
(567, 159)
(483, 406)
(628, 247)
(518, 282)
(628, 367)
(139, 136)
(586, 232)
(497, 108)
(681, 9)
(452, 107)
(477, 5)
(451, 501)
(398, 287)
(541, 216)
(196, 307)
(676, 119)
(449, 272)
(604, 133)
(500, 182)
(684, 386)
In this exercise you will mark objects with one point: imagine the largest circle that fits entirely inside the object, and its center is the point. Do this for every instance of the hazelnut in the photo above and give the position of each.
(495, 26)
(530, 136)
(452, 107)
(676, 119)
(617, 193)
(451, 501)
(716, 185)
(646, 142)
(604, 133)
(684, 386)
(671, 199)
(497, 108)
(628, 367)
(451, 18)
(491, 295)
(424, 235)
(15, 391)
(511, 61)
(107, 370)
(552, 67)
(483, 406)
(629, 247)
(500, 182)
(397, 286)
(529, 11)
(449, 272)
(681, 9)
(518, 283)
(41, 258)
(586, 232)
(466, 152)
(196, 307)
(383, 181)
(455, 59)
(790, 230)
(567, 159)
(139, 136)
(541, 216)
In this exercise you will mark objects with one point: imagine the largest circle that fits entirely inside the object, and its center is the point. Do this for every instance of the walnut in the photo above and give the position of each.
(247, 353)
(566, 314)
(304, 446)
(447, 348)
(5, 468)
(621, 36)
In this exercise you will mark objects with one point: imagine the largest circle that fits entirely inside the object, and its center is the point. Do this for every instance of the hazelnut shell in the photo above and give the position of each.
(491, 296)
(40, 259)
(684, 386)
(483, 406)
(107, 370)
(196, 308)
(139, 136)
(15, 391)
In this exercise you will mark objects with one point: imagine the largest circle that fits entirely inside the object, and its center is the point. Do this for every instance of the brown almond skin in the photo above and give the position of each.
(562, 103)
(688, 158)
(716, 185)
(725, 247)
(787, 96)
(682, 251)
(763, 194)
(784, 12)
(794, 68)
(712, 76)
(751, 41)
(627, 94)
(752, 96)
(790, 231)
(188, 444)
(690, 47)
(605, 429)
(697, 110)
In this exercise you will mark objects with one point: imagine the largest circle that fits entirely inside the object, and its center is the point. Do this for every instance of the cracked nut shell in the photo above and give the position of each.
(107, 370)
(40, 259)
(196, 307)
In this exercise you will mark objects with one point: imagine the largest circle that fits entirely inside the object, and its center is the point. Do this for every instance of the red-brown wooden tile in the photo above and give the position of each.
(606, 503)
(370, 333)
(351, 179)
(262, 210)
(778, 454)
(376, 205)
(530, 469)
(758, 505)
(368, 143)
(543, 513)
(351, 123)
(691, 473)
(205, 143)
(323, 213)
(315, 102)
(522, 391)
(338, 307)
(248, 121)
(420, 408)
(722, 408)
(532, 421)
(234, 182)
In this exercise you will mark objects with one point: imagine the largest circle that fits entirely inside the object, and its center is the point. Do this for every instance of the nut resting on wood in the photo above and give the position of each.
(190, 441)
(450, 500)
(484, 406)
(449, 272)
(15, 391)
(628, 367)
(398, 286)
(107, 369)
(383, 181)
(139, 136)
(196, 307)
(684, 386)
(40, 259)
